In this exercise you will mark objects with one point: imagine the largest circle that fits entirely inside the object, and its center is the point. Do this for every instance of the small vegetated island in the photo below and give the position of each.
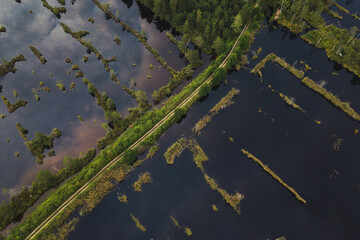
(7, 67)
(223, 28)
(41, 141)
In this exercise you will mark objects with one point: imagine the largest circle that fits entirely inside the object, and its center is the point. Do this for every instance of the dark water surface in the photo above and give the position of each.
(297, 149)
(57, 109)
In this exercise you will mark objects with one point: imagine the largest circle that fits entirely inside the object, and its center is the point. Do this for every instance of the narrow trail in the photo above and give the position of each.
(134, 145)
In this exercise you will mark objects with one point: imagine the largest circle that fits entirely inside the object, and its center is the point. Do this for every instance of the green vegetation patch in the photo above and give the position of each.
(85, 59)
(38, 54)
(297, 15)
(117, 39)
(12, 107)
(23, 131)
(55, 10)
(60, 86)
(153, 150)
(172, 152)
(41, 141)
(341, 45)
(2, 28)
(7, 67)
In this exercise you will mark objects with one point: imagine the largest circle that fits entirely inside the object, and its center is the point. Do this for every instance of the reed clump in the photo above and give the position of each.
(172, 152)
(269, 171)
(138, 224)
(214, 207)
(288, 100)
(344, 106)
(123, 198)
(144, 178)
(187, 230)
(176, 223)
